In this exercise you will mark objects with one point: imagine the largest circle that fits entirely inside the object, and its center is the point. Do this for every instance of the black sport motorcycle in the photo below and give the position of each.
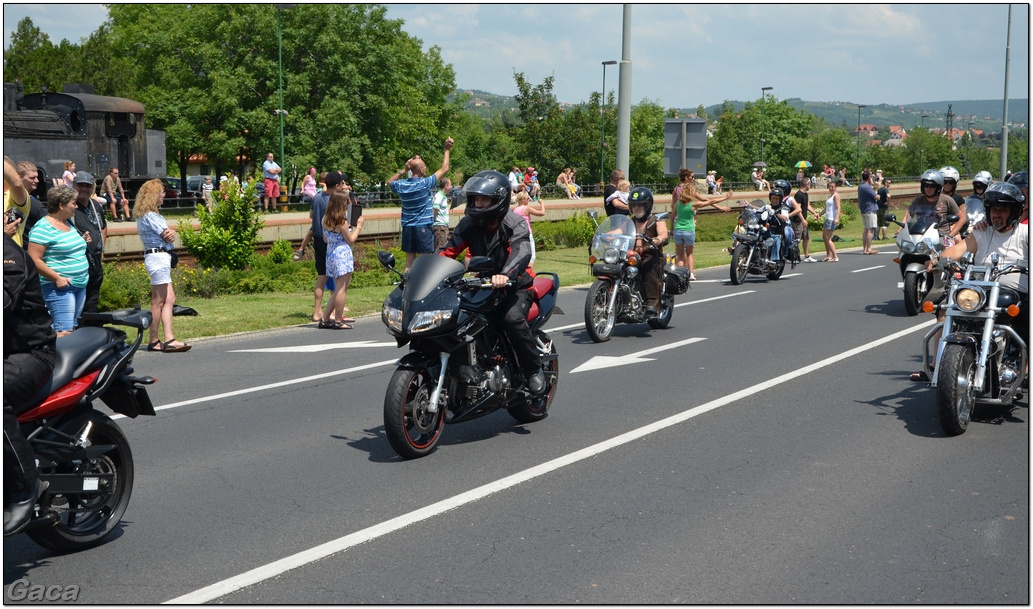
(616, 295)
(751, 246)
(460, 365)
(977, 360)
(85, 464)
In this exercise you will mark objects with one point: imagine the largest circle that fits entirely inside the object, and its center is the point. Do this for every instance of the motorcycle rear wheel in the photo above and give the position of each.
(739, 268)
(598, 323)
(536, 408)
(666, 313)
(912, 298)
(774, 275)
(955, 393)
(411, 429)
(84, 520)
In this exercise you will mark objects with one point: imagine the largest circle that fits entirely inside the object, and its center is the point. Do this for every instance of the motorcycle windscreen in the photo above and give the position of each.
(615, 235)
(427, 273)
(921, 223)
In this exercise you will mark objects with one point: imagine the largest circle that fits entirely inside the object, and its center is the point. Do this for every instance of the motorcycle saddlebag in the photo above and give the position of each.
(128, 399)
(676, 282)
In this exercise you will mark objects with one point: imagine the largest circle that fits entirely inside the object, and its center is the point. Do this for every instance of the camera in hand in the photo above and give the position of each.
(13, 215)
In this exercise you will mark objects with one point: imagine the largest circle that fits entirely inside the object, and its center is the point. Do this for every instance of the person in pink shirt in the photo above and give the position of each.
(525, 211)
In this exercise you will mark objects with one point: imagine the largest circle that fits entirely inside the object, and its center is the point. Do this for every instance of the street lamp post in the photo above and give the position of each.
(763, 95)
(921, 147)
(279, 38)
(859, 106)
(602, 124)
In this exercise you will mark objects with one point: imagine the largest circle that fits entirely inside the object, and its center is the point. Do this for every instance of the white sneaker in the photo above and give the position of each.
(809, 259)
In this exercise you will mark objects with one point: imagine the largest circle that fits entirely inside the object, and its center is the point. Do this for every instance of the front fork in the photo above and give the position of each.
(435, 396)
(613, 298)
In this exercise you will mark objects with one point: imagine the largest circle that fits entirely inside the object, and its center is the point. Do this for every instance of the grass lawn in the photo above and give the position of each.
(247, 313)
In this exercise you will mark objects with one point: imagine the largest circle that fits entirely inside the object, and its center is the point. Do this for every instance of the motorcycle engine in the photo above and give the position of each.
(497, 378)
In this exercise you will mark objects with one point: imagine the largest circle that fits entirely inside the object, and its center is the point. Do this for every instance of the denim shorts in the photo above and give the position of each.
(417, 239)
(685, 238)
(65, 305)
(829, 225)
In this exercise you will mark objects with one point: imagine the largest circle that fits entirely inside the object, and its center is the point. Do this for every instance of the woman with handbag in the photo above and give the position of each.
(157, 240)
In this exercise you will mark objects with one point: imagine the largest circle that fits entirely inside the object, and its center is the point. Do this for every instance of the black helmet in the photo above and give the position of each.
(1003, 194)
(782, 185)
(641, 196)
(491, 184)
(1020, 179)
(931, 176)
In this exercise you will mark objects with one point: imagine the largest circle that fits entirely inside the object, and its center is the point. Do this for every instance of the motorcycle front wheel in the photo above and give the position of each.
(411, 429)
(955, 393)
(912, 298)
(85, 519)
(666, 313)
(739, 268)
(535, 408)
(598, 321)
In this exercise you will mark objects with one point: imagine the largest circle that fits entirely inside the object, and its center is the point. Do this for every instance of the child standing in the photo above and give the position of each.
(525, 211)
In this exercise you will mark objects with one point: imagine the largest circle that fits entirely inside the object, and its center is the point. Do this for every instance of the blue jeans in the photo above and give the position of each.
(65, 305)
(776, 248)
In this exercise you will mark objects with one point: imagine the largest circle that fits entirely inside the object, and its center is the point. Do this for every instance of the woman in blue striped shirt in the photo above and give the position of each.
(59, 252)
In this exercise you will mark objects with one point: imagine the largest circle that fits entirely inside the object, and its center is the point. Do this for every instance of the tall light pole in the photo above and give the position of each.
(921, 147)
(602, 123)
(763, 94)
(859, 106)
(279, 37)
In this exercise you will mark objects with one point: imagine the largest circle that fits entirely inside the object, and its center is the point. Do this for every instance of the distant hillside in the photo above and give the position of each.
(983, 114)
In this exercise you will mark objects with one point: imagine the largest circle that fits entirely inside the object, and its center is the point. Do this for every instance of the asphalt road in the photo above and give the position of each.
(766, 448)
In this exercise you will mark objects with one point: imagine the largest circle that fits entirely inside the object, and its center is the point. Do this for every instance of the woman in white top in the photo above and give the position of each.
(832, 210)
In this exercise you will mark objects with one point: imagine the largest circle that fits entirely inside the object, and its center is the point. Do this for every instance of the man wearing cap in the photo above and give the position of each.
(89, 221)
(417, 208)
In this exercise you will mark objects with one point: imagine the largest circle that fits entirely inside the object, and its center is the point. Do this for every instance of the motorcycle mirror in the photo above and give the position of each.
(480, 264)
(953, 218)
(593, 214)
(663, 215)
(386, 259)
(968, 258)
(891, 217)
(995, 258)
(1023, 264)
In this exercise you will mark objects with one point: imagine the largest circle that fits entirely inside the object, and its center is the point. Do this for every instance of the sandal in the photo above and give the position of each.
(919, 377)
(168, 348)
(155, 346)
(337, 326)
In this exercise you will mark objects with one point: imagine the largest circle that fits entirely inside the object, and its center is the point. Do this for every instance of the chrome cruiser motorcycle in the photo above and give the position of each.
(919, 241)
(616, 295)
(977, 360)
(751, 247)
(85, 464)
(459, 366)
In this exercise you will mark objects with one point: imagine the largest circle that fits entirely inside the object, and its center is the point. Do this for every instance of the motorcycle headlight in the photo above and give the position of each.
(929, 245)
(611, 255)
(969, 299)
(392, 318)
(428, 320)
(908, 247)
(753, 225)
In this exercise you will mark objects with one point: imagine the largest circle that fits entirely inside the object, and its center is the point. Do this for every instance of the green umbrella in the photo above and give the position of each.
(803, 165)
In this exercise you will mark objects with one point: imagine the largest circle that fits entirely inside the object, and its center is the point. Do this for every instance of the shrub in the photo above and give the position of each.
(228, 234)
(124, 287)
(282, 252)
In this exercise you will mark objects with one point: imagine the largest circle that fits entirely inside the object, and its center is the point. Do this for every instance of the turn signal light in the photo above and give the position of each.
(632, 259)
(591, 259)
(896, 260)
(928, 307)
(1013, 310)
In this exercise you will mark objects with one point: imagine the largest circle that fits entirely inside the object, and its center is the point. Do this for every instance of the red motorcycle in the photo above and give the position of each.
(85, 464)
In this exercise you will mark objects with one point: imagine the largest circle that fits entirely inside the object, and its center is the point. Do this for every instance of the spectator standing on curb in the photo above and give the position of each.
(884, 204)
(271, 179)
(524, 210)
(868, 202)
(207, 188)
(30, 181)
(828, 229)
(441, 206)
(157, 239)
(111, 190)
(684, 218)
(333, 181)
(340, 262)
(611, 205)
(800, 228)
(417, 209)
(59, 254)
(89, 221)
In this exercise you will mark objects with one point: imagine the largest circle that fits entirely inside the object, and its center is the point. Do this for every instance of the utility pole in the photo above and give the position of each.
(1004, 123)
(624, 97)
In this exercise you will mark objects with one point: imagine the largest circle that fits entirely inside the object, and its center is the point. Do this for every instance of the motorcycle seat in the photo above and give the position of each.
(542, 286)
(72, 351)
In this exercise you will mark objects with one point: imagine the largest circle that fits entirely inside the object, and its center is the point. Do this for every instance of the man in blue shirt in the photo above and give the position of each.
(868, 201)
(271, 179)
(417, 209)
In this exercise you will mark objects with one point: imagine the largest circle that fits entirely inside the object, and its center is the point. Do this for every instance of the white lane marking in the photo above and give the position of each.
(265, 572)
(607, 361)
(230, 394)
(871, 268)
(315, 348)
(684, 304)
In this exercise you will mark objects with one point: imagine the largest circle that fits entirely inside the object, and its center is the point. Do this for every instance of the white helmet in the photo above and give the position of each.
(984, 178)
(950, 173)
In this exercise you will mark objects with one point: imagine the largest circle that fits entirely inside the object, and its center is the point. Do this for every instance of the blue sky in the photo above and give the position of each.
(683, 55)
